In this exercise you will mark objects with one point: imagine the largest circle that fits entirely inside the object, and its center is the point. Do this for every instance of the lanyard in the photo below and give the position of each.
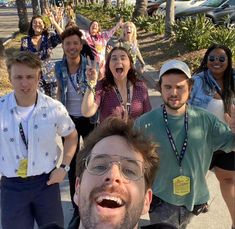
(128, 104)
(180, 156)
(21, 130)
(75, 83)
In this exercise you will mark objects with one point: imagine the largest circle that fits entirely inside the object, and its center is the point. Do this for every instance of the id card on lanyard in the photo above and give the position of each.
(181, 184)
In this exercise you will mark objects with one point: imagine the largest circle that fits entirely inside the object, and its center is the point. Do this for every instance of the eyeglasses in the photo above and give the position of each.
(100, 164)
(218, 58)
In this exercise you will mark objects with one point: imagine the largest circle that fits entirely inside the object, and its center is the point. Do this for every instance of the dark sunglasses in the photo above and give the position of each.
(217, 58)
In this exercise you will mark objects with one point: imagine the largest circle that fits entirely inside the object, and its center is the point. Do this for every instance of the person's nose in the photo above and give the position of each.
(174, 91)
(24, 82)
(114, 174)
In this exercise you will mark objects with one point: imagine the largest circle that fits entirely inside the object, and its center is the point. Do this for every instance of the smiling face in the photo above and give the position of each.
(128, 30)
(175, 92)
(38, 26)
(72, 47)
(94, 28)
(110, 200)
(25, 82)
(217, 67)
(119, 65)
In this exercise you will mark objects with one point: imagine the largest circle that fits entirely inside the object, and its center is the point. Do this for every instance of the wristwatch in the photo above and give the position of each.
(65, 167)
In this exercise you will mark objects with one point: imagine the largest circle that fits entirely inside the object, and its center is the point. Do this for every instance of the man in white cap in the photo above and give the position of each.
(188, 136)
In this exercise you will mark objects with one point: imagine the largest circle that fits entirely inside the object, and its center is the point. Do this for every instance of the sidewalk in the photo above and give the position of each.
(218, 215)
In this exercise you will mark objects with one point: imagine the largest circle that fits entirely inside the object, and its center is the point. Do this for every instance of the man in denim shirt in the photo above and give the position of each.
(72, 83)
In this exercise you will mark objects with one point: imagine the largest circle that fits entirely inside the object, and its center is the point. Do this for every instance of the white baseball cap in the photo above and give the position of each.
(175, 64)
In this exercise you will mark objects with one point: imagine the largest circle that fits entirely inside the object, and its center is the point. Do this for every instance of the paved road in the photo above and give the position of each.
(217, 217)
(9, 22)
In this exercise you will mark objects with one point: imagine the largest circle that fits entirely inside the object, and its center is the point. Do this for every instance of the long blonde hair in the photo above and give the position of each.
(134, 33)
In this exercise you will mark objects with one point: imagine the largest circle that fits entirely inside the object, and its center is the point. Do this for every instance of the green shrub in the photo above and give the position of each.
(194, 32)
(224, 36)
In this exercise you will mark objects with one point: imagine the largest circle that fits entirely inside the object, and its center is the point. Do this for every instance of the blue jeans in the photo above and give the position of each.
(178, 216)
(27, 199)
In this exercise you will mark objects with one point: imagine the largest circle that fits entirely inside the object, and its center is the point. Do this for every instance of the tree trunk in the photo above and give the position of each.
(140, 8)
(36, 7)
(107, 3)
(43, 5)
(23, 16)
(170, 18)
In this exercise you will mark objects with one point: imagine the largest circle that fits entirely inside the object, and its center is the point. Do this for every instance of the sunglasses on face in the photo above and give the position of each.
(217, 58)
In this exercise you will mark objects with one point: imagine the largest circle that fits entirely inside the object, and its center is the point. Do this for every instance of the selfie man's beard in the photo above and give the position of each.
(128, 221)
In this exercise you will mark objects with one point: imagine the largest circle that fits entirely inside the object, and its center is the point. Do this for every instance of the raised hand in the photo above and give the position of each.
(91, 72)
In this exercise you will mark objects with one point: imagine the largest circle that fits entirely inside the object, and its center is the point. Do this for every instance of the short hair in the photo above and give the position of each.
(70, 31)
(24, 57)
(141, 143)
(177, 72)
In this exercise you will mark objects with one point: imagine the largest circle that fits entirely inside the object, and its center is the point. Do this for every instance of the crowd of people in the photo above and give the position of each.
(135, 159)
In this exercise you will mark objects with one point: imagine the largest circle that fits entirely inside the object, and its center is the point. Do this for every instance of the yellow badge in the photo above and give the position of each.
(99, 48)
(181, 185)
(22, 170)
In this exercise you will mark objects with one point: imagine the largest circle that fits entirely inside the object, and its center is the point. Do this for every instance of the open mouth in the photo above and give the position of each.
(119, 70)
(109, 202)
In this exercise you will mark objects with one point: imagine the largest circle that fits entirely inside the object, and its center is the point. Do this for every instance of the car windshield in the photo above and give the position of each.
(213, 3)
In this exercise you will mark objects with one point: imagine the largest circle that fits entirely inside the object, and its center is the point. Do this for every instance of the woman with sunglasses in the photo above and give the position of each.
(214, 90)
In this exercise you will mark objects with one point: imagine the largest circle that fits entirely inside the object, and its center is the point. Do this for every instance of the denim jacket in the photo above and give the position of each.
(203, 90)
(62, 75)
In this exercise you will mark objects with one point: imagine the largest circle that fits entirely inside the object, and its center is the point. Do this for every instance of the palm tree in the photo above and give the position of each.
(107, 3)
(23, 16)
(140, 8)
(170, 18)
(36, 7)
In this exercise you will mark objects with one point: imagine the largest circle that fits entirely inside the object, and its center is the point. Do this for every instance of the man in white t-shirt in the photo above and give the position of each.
(29, 123)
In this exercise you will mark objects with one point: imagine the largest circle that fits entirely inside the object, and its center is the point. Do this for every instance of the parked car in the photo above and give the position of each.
(216, 10)
(181, 5)
(153, 6)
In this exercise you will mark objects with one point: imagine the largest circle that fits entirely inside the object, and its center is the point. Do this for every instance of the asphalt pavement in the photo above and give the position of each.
(216, 218)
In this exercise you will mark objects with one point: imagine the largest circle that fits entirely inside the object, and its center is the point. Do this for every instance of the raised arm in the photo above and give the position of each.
(89, 107)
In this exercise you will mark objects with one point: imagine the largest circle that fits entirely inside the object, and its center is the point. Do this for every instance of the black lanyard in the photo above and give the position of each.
(76, 84)
(128, 104)
(21, 130)
(180, 156)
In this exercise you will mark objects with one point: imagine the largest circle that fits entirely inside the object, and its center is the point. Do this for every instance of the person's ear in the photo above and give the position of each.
(147, 201)
(77, 189)
(158, 87)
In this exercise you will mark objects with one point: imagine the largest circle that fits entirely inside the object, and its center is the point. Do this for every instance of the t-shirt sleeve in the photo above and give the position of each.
(65, 125)
(222, 136)
(99, 93)
(146, 103)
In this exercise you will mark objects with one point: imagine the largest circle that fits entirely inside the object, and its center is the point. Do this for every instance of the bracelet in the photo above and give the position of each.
(91, 86)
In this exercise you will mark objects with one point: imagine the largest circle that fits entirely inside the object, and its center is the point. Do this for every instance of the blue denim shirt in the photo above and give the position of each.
(204, 90)
(202, 93)
(62, 75)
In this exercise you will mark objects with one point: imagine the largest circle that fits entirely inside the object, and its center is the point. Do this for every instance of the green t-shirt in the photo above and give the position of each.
(206, 134)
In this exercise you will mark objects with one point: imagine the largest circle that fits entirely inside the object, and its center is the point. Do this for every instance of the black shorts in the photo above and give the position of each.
(223, 160)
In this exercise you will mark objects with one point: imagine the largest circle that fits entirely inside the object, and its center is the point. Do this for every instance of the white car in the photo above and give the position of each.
(180, 5)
